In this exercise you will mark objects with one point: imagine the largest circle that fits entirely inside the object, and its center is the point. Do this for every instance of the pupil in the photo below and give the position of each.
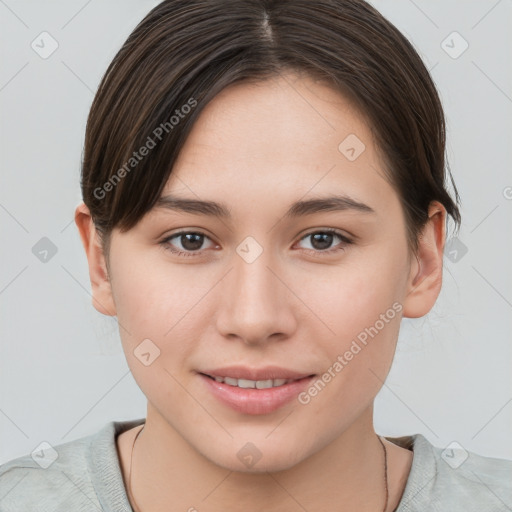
(324, 244)
(191, 245)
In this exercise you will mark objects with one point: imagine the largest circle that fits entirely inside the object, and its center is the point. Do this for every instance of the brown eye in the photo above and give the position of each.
(322, 240)
(189, 243)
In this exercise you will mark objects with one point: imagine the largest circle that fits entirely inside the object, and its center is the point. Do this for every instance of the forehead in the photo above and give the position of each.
(283, 137)
(285, 118)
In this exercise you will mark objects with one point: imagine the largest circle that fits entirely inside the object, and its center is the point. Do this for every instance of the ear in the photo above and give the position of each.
(102, 298)
(426, 275)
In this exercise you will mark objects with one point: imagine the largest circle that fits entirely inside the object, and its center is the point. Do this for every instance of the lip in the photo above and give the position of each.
(268, 372)
(255, 401)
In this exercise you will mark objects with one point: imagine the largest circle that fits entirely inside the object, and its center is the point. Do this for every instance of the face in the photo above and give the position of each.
(260, 293)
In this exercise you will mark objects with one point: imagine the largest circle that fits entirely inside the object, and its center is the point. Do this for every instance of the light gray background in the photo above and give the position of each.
(62, 371)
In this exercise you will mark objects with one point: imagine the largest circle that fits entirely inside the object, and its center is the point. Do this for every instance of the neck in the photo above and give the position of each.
(349, 470)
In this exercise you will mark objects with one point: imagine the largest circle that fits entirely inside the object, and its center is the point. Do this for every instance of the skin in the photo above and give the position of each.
(258, 148)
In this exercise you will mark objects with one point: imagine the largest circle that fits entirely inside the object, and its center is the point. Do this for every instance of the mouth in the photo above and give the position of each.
(254, 384)
(268, 390)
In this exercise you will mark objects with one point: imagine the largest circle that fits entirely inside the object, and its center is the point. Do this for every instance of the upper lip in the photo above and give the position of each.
(266, 373)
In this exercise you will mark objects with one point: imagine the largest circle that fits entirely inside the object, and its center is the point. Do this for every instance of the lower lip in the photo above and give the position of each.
(256, 401)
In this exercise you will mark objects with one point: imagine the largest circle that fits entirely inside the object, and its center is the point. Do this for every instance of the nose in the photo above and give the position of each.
(256, 304)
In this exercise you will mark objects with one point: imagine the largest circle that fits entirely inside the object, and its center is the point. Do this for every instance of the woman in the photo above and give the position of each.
(264, 201)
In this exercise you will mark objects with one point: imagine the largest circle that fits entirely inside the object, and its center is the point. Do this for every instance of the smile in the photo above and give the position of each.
(256, 391)
(254, 384)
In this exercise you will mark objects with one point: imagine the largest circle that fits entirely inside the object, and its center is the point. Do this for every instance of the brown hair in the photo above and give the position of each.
(184, 52)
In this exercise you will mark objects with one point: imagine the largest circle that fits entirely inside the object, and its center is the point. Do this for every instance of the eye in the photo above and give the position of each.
(190, 241)
(322, 239)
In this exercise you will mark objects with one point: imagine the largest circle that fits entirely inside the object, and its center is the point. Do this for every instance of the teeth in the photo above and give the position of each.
(264, 384)
(245, 383)
(230, 381)
(255, 384)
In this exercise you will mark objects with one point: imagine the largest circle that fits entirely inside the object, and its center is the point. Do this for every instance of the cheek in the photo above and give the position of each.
(361, 305)
(163, 303)
(352, 296)
(357, 357)
(149, 293)
(366, 327)
(158, 321)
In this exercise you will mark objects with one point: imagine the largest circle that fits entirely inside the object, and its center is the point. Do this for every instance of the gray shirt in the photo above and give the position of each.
(84, 475)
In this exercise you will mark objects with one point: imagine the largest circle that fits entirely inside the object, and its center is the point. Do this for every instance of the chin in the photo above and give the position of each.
(248, 458)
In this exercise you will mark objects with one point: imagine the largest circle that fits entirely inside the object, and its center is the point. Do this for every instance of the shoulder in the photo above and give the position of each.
(76, 475)
(33, 481)
(454, 479)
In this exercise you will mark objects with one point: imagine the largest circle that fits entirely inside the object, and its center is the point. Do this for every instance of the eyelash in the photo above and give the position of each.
(345, 241)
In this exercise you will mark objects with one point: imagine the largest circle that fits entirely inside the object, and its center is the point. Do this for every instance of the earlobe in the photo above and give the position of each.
(102, 297)
(426, 276)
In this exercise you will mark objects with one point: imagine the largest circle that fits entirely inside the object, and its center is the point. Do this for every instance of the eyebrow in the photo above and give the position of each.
(298, 208)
